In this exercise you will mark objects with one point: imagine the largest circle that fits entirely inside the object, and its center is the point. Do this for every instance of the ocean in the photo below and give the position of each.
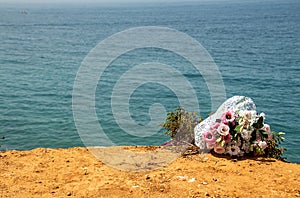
(255, 44)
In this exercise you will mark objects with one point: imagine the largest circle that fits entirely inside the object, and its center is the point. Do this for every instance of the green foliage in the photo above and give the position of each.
(180, 124)
(273, 150)
(259, 124)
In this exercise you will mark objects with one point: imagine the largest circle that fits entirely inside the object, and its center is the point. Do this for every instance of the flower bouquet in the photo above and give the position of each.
(243, 132)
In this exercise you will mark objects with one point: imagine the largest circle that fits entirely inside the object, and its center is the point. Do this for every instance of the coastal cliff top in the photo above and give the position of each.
(75, 172)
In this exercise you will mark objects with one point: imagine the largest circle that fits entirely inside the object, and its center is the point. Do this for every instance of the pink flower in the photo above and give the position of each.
(233, 150)
(254, 146)
(266, 128)
(262, 144)
(223, 129)
(219, 149)
(215, 126)
(227, 138)
(209, 137)
(228, 116)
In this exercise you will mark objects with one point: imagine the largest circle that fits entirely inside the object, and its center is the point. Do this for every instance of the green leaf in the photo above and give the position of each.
(259, 124)
(238, 128)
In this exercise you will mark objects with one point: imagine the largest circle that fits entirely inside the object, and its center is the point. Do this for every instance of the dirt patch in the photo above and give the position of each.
(75, 172)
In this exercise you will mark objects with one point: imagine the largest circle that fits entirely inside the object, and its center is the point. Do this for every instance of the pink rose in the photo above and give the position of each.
(228, 116)
(223, 129)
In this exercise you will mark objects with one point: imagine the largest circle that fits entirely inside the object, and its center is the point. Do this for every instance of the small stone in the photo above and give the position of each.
(234, 160)
(204, 183)
(69, 193)
(192, 180)
(214, 179)
(207, 194)
(147, 176)
(161, 190)
(182, 178)
(205, 159)
(135, 186)
(85, 170)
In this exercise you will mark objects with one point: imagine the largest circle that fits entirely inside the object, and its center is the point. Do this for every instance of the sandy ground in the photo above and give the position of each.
(75, 172)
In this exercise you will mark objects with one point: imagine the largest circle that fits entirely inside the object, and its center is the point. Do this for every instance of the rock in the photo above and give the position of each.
(192, 180)
(85, 170)
(182, 178)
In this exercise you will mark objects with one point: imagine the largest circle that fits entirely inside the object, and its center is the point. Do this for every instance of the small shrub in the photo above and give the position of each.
(180, 125)
(273, 150)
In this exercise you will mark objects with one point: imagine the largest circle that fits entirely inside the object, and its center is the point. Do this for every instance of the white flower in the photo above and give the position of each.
(247, 115)
(246, 134)
(247, 118)
(246, 147)
(262, 144)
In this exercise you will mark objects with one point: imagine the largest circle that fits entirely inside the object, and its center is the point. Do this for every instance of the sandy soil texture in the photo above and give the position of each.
(75, 172)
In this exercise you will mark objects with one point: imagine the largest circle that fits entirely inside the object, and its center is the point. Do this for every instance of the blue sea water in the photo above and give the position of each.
(256, 46)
